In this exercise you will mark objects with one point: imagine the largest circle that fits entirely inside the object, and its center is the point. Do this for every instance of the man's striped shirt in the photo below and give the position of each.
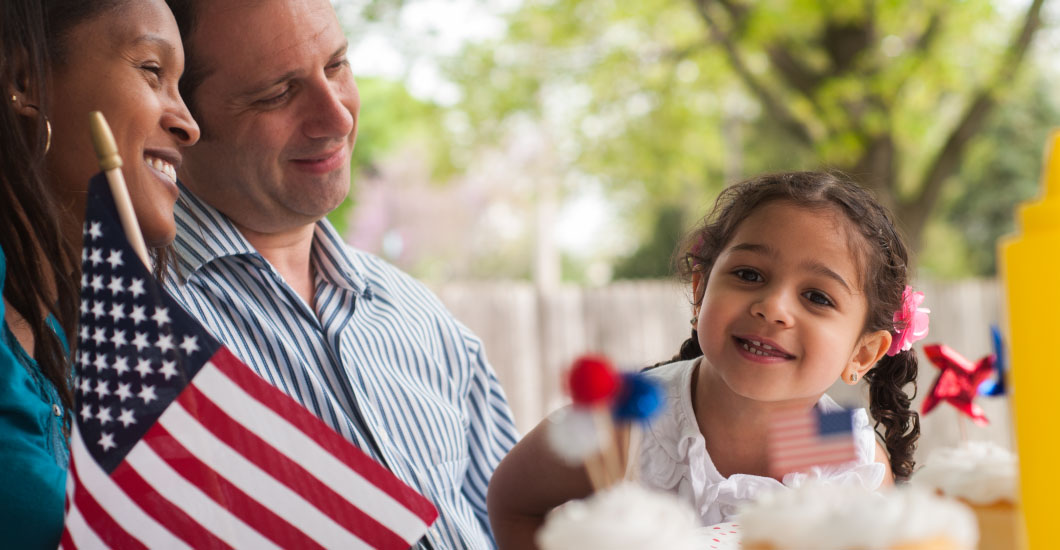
(380, 360)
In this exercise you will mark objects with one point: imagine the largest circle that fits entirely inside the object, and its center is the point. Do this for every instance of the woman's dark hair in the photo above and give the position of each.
(61, 16)
(30, 228)
(884, 272)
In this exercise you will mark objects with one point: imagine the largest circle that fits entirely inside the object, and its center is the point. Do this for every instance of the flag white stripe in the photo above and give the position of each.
(822, 458)
(115, 503)
(189, 498)
(421, 413)
(279, 433)
(818, 451)
(826, 458)
(80, 532)
(254, 481)
(812, 443)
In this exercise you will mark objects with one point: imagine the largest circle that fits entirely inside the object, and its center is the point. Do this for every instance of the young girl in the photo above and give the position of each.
(797, 279)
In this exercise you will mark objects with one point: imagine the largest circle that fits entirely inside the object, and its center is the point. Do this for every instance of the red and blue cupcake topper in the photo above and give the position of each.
(592, 381)
(638, 400)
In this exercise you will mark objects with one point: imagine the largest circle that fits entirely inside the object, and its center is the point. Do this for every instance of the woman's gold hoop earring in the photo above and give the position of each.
(47, 125)
(48, 135)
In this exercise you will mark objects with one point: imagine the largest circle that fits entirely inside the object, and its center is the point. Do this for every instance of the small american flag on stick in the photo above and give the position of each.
(802, 438)
(177, 444)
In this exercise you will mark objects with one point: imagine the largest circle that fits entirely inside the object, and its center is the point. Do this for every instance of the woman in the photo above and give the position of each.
(62, 59)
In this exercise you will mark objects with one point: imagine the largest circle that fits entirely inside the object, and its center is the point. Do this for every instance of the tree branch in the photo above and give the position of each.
(946, 162)
(772, 103)
(921, 45)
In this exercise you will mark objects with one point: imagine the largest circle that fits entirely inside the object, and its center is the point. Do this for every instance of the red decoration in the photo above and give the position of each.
(593, 380)
(959, 381)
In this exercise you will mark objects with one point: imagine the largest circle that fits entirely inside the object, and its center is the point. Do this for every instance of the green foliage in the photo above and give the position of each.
(652, 258)
(1003, 169)
(670, 100)
(390, 117)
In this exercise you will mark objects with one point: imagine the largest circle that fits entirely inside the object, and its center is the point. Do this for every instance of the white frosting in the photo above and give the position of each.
(834, 518)
(978, 472)
(626, 516)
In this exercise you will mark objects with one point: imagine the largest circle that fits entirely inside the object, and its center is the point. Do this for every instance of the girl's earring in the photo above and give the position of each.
(853, 377)
(695, 321)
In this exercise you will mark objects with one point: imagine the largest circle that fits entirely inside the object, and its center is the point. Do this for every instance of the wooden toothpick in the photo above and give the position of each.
(110, 162)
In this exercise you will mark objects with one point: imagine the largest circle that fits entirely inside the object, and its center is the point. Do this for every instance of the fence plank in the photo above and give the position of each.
(531, 338)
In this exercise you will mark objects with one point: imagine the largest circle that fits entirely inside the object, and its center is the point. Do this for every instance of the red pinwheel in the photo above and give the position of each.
(958, 382)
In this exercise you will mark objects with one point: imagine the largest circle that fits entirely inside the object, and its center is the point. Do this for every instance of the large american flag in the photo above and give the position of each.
(177, 444)
(802, 438)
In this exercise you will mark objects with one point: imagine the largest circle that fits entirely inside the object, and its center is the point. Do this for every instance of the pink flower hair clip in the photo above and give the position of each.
(910, 322)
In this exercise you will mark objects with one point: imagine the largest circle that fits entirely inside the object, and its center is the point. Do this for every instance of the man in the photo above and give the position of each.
(360, 344)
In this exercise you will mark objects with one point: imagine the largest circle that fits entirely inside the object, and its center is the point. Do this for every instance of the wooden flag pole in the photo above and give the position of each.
(110, 162)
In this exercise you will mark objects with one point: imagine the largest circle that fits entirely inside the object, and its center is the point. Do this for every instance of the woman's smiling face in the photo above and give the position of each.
(124, 62)
(783, 311)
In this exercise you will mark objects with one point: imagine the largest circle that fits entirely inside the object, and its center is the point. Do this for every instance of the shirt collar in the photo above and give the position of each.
(335, 262)
(205, 235)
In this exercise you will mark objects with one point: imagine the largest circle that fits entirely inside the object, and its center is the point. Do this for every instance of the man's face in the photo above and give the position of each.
(278, 109)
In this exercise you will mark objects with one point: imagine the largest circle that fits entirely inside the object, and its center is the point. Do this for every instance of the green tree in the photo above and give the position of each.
(677, 98)
(1002, 169)
(389, 116)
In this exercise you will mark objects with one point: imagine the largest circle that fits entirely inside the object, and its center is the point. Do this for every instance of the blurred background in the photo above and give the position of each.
(536, 161)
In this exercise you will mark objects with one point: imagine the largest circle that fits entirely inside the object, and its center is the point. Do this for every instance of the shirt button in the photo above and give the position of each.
(57, 410)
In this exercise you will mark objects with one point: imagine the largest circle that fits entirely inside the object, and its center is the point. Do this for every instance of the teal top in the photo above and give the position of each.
(33, 451)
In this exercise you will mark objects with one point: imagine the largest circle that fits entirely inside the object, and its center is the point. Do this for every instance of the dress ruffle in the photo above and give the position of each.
(674, 458)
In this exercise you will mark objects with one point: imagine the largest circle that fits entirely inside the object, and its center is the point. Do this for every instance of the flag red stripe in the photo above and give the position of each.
(818, 451)
(162, 510)
(98, 519)
(840, 456)
(328, 439)
(789, 426)
(844, 455)
(809, 436)
(809, 449)
(788, 467)
(822, 445)
(288, 472)
(226, 494)
(810, 442)
(65, 541)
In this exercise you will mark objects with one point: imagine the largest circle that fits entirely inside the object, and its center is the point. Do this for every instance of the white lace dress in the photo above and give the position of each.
(674, 458)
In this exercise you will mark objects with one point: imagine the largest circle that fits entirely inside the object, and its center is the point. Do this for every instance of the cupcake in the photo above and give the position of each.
(833, 517)
(625, 516)
(983, 476)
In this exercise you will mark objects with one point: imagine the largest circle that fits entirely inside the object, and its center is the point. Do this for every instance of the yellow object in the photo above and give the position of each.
(1030, 268)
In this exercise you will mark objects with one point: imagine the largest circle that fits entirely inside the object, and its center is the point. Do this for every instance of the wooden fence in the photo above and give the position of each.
(531, 336)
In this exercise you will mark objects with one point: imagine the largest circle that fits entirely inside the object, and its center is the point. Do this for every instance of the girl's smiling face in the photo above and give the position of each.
(783, 311)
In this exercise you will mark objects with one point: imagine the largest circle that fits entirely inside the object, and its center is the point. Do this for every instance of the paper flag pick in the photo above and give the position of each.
(996, 387)
(958, 381)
